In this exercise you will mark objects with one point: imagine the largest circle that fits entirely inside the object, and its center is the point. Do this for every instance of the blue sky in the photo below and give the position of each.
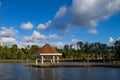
(59, 22)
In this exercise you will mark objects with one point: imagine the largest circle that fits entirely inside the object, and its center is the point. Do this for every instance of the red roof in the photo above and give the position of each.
(47, 49)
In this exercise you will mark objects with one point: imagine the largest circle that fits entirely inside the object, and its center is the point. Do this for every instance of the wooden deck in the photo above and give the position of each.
(116, 65)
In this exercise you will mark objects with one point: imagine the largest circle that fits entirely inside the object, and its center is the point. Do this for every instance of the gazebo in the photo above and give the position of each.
(47, 50)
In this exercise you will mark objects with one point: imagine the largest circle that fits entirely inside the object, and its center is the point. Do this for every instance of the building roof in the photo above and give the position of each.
(48, 50)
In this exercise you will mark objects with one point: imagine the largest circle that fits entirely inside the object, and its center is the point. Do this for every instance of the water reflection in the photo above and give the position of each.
(17, 71)
(48, 73)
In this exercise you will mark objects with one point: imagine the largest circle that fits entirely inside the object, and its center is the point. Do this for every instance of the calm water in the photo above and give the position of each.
(17, 71)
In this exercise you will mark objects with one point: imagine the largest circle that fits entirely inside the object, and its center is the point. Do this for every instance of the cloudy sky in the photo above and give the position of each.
(59, 22)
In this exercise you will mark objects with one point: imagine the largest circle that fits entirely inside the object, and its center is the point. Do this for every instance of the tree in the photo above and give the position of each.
(80, 45)
(71, 47)
(86, 47)
(14, 51)
(66, 47)
(117, 48)
(1, 52)
(32, 51)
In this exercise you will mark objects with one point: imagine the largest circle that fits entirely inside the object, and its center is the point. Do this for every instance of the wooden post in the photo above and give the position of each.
(42, 60)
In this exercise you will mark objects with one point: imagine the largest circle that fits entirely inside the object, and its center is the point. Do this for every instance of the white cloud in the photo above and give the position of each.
(54, 36)
(58, 44)
(92, 31)
(85, 13)
(25, 44)
(89, 12)
(35, 38)
(41, 27)
(27, 38)
(48, 23)
(8, 32)
(61, 18)
(110, 41)
(118, 38)
(8, 36)
(74, 41)
(27, 25)
(61, 13)
(38, 36)
(44, 26)
(8, 40)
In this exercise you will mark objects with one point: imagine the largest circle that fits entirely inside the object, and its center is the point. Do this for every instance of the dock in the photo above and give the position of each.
(116, 65)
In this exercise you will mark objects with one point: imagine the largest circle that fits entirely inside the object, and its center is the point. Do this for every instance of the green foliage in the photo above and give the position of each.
(95, 50)
(84, 51)
(15, 53)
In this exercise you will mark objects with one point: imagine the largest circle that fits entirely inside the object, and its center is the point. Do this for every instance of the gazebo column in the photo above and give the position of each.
(53, 59)
(36, 61)
(42, 59)
(57, 59)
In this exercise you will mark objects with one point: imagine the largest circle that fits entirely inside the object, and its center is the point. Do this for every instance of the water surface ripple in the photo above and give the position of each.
(17, 71)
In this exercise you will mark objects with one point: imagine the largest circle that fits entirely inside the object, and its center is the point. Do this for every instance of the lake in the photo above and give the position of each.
(17, 71)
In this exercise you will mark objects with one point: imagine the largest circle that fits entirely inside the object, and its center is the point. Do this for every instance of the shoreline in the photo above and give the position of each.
(112, 65)
(61, 60)
(31, 63)
(13, 60)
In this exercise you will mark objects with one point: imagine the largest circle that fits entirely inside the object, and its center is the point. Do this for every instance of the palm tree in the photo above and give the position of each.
(80, 45)
(117, 48)
(86, 47)
(71, 47)
(66, 47)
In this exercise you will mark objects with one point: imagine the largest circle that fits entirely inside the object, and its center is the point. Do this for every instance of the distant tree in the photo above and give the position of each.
(14, 51)
(1, 52)
(80, 45)
(71, 47)
(66, 47)
(32, 50)
(86, 47)
(117, 48)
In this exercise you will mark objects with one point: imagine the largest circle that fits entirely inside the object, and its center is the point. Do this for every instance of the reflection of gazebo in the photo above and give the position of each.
(47, 50)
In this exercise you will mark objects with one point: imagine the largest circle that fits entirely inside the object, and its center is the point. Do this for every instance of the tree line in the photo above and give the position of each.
(16, 53)
(93, 51)
(84, 51)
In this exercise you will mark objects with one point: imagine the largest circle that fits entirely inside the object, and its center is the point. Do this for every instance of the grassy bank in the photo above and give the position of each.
(9, 60)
